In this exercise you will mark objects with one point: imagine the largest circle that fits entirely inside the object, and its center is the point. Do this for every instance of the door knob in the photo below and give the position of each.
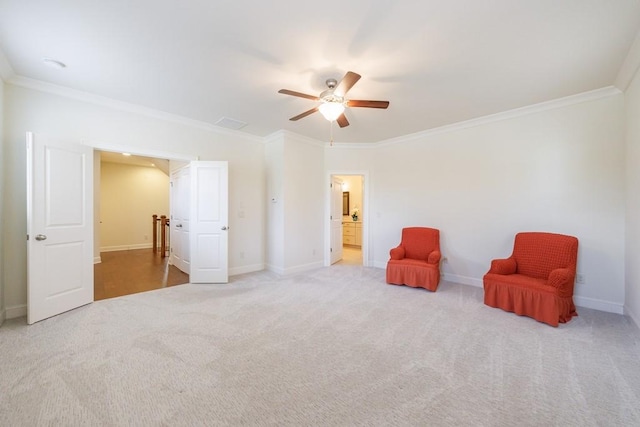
(224, 227)
(178, 225)
(40, 237)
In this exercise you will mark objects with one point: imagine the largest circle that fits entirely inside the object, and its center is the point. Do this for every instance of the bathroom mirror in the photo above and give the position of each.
(345, 203)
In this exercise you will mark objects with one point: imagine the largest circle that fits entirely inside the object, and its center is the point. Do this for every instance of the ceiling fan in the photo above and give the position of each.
(333, 101)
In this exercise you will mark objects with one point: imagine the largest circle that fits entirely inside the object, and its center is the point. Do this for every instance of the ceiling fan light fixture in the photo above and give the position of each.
(331, 110)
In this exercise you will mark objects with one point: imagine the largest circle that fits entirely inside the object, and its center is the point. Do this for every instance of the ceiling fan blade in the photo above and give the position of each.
(367, 104)
(299, 94)
(346, 83)
(305, 114)
(342, 120)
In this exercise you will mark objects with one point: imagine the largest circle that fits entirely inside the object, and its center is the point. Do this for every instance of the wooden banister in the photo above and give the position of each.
(163, 222)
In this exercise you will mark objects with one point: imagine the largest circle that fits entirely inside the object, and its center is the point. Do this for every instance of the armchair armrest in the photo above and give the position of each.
(503, 266)
(434, 257)
(560, 278)
(397, 252)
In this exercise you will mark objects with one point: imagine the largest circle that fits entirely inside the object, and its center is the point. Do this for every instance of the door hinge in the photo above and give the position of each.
(331, 250)
(331, 185)
(27, 237)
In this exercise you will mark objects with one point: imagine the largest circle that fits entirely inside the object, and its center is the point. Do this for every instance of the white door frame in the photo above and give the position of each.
(336, 205)
(366, 207)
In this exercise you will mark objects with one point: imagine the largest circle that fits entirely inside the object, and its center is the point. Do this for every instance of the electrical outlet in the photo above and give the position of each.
(146, 237)
(445, 260)
(241, 255)
(580, 278)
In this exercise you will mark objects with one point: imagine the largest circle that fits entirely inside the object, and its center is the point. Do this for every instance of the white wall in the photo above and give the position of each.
(129, 196)
(274, 182)
(304, 186)
(2, 143)
(558, 170)
(294, 182)
(41, 112)
(632, 254)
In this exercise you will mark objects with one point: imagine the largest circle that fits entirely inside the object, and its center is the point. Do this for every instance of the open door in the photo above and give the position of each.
(209, 238)
(179, 223)
(59, 226)
(336, 219)
(199, 221)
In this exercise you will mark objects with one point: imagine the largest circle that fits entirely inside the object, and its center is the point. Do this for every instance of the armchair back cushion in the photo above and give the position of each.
(537, 254)
(419, 242)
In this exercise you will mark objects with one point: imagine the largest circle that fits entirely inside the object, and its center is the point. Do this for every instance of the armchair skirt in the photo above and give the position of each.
(414, 273)
(528, 296)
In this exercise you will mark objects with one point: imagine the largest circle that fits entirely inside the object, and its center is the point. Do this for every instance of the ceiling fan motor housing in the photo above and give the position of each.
(328, 95)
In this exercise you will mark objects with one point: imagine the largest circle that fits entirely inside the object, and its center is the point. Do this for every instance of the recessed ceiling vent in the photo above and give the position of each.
(228, 123)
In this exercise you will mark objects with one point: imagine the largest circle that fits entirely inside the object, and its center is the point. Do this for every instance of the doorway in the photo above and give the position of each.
(354, 209)
(129, 190)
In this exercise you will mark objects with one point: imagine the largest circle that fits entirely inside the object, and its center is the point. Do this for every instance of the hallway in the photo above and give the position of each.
(129, 272)
(351, 256)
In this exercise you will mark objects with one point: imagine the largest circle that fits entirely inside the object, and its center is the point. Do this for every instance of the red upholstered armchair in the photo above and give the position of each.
(416, 261)
(537, 280)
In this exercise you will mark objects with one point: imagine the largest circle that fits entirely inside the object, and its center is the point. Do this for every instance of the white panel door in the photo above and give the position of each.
(336, 219)
(59, 226)
(209, 222)
(179, 219)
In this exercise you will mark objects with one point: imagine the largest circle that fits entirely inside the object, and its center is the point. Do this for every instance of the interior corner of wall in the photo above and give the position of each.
(632, 315)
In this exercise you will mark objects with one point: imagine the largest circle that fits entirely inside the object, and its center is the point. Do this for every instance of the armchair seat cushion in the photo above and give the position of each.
(520, 280)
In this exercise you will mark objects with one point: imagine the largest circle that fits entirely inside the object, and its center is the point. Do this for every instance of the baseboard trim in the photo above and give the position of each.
(294, 270)
(598, 304)
(585, 302)
(16, 311)
(302, 268)
(126, 247)
(245, 269)
(378, 264)
(463, 280)
(632, 315)
(97, 260)
(272, 268)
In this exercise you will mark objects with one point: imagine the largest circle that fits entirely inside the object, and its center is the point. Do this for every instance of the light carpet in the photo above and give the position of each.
(335, 346)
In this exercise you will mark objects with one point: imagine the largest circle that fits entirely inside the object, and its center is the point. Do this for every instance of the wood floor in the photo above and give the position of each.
(129, 272)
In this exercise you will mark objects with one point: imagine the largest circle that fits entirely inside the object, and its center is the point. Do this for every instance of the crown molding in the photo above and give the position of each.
(353, 145)
(6, 70)
(630, 65)
(506, 115)
(103, 101)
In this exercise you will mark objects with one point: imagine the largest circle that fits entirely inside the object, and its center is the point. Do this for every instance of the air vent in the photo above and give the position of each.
(228, 123)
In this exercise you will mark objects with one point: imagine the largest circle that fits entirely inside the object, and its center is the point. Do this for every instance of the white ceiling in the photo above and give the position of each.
(437, 61)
